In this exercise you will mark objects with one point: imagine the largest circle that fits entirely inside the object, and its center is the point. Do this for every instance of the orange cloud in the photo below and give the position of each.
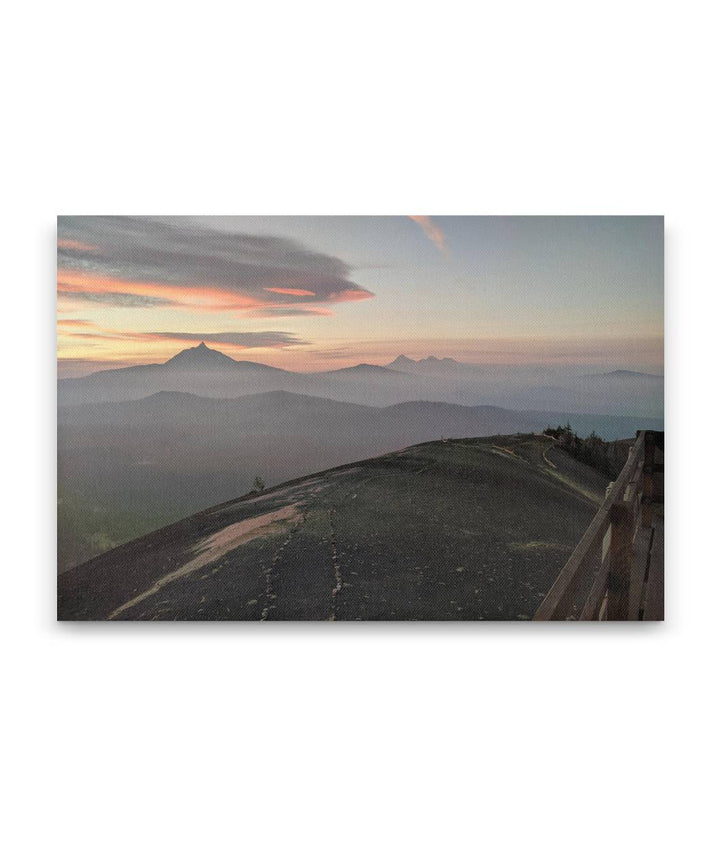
(82, 287)
(209, 298)
(75, 322)
(432, 231)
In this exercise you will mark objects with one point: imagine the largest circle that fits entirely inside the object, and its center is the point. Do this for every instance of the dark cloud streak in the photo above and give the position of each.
(285, 312)
(248, 339)
(116, 298)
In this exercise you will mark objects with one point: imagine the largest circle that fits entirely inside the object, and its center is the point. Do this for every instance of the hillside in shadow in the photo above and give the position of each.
(448, 530)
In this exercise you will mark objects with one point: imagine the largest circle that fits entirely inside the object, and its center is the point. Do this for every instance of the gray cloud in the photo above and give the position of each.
(116, 298)
(178, 252)
(284, 312)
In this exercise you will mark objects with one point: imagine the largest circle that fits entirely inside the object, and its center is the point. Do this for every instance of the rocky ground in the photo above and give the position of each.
(450, 530)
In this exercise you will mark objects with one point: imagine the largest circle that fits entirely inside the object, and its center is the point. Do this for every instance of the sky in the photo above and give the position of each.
(315, 293)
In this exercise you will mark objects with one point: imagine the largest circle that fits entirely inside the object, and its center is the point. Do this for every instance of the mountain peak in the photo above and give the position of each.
(401, 362)
(429, 365)
(200, 357)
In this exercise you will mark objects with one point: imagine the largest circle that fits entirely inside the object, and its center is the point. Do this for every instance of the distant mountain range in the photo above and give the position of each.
(429, 365)
(281, 412)
(205, 371)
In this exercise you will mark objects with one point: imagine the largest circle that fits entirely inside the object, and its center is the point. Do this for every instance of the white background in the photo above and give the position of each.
(359, 739)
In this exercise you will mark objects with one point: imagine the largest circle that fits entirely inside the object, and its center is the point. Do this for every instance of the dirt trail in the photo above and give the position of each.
(271, 572)
(215, 546)
(545, 457)
(506, 453)
(336, 565)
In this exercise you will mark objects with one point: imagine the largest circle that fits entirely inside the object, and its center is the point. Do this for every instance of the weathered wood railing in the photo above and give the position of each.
(604, 577)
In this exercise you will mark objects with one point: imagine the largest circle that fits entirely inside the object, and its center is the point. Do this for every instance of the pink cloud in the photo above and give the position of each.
(432, 231)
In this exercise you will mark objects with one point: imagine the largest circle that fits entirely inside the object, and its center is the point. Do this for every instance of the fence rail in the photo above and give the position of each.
(605, 578)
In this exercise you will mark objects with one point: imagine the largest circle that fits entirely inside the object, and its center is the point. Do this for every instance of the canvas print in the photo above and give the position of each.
(348, 418)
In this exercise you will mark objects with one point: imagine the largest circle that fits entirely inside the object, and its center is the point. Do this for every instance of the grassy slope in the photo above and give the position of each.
(466, 529)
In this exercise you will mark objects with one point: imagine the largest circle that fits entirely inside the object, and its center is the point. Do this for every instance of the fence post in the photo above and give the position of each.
(621, 538)
(648, 481)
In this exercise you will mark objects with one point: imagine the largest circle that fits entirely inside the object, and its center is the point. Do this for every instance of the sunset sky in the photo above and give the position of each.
(311, 293)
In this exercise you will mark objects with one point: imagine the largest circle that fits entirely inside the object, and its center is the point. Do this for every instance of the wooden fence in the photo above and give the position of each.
(606, 577)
